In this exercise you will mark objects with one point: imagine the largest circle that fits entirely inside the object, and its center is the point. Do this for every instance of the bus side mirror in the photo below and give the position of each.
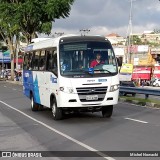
(119, 61)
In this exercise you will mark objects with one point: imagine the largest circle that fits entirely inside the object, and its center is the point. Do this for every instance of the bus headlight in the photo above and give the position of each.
(67, 89)
(114, 88)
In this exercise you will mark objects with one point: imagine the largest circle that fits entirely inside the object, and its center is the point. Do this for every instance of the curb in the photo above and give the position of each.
(147, 104)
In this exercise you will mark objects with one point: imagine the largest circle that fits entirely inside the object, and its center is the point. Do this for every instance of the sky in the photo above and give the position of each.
(103, 17)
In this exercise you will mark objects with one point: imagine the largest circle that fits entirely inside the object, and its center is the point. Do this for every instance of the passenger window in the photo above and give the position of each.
(35, 60)
(31, 56)
(52, 61)
(42, 61)
(26, 61)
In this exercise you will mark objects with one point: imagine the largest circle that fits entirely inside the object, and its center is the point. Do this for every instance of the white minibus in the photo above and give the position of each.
(65, 75)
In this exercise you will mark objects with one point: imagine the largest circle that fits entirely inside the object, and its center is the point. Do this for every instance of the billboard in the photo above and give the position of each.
(126, 72)
(5, 57)
(143, 48)
(126, 68)
(138, 48)
(119, 51)
(142, 73)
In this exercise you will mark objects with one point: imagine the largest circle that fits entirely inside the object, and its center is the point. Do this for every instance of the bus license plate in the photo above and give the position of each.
(92, 97)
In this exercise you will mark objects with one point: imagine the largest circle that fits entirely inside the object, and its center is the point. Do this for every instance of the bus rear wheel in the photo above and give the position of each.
(34, 106)
(56, 112)
(107, 111)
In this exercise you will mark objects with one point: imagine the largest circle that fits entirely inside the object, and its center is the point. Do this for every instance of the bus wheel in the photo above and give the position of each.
(107, 111)
(34, 106)
(57, 112)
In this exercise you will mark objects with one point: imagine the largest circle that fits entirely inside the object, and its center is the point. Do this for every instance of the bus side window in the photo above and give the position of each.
(42, 59)
(26, 63)
(35, 60)
(54, 57)
(49, 61)
(52, 61)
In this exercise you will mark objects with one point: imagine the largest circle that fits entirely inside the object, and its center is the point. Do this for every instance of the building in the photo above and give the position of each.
(115, 39)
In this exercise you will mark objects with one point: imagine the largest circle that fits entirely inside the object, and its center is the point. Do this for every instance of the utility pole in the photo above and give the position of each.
(84, 31)
(129, 33)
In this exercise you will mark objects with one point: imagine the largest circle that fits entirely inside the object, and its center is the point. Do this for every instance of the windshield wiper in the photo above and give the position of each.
(104, 70)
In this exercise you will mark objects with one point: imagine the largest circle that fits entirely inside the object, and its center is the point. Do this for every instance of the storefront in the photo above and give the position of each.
(5, 60)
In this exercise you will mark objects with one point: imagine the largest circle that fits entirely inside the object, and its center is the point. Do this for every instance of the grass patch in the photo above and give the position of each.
(142, 100)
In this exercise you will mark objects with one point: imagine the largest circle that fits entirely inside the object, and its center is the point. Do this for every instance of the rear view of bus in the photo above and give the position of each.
(80, 74)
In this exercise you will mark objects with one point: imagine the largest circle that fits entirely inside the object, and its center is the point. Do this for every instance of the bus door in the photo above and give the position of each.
(52, 74)
(41, 77)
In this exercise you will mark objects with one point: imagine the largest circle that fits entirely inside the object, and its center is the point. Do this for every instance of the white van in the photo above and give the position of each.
(57, 73)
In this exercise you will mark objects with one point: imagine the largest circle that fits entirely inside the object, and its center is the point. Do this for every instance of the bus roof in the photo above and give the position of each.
(53, 42)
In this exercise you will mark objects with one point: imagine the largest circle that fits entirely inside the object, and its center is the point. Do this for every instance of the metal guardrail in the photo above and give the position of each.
(139, 90)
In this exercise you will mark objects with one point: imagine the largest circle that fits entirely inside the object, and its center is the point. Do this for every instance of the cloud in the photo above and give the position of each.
(107, 16)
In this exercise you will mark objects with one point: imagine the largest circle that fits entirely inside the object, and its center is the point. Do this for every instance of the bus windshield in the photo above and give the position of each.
(84, 59)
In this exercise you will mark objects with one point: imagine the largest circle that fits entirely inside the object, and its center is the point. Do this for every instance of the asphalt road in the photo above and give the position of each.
(132, 128)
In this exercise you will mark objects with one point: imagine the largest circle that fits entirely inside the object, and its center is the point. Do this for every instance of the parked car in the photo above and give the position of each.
(156, 83)
(127, 84)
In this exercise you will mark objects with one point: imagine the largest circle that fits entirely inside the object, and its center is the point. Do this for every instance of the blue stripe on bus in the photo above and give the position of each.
(30, 85)
(36, 91)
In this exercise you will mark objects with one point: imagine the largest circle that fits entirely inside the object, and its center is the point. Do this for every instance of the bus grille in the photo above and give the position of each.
(97, 92)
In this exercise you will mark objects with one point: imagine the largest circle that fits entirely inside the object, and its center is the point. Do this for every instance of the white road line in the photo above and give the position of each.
(5, 86)
(14, 89)
(136, 120)
(62, 134)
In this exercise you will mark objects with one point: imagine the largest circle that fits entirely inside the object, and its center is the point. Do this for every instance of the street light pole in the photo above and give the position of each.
(129, 32)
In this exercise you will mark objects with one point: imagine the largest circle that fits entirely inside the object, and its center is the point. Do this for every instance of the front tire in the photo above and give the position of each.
(107, 111)
(157, 85)
(56, 112)
(34, 106)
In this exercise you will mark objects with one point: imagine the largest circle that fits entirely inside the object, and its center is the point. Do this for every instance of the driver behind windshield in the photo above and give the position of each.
(97, 61)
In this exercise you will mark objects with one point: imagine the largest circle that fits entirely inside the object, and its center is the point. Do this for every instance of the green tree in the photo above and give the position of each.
(35, 15)
(9, 30)
(29, 17)
(135, 40)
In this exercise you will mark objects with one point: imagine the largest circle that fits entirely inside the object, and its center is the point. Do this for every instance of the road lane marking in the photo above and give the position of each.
(14, 89)
(136, 120)
(61, 133)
